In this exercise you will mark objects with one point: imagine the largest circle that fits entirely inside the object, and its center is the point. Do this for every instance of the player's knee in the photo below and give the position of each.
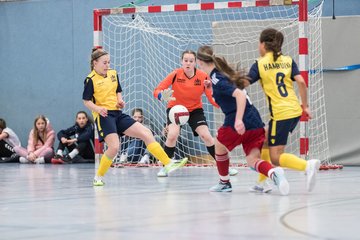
(207, 138)
(172, 136)
(112, 150)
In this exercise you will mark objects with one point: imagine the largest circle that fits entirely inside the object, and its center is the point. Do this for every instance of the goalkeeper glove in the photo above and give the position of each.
(165, 95)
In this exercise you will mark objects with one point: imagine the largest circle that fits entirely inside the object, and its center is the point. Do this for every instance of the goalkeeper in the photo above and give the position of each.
(187, 89)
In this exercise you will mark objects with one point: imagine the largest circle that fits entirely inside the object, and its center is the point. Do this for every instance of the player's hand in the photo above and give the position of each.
(207, 83)
(166, 95)
(102, 111)
(307, 112)
(120, 104)
(239, 127)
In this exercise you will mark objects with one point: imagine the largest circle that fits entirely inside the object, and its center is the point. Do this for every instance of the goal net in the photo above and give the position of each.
(145, 44)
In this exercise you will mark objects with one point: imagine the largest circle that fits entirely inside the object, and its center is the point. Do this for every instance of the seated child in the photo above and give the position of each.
(8, 140)
(40, 143)
(77, 140)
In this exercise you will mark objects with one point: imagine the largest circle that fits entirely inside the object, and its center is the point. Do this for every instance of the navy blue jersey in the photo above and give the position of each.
(222, 93)
(82, 134)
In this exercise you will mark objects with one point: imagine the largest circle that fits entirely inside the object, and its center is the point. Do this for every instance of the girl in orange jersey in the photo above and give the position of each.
(187, 88)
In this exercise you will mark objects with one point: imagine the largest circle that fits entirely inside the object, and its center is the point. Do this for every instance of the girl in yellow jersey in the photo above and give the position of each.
(102, 95)
(276, 74)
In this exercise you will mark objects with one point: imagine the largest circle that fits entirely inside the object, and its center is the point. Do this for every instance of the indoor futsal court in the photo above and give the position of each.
(97, 68)
(59, 202)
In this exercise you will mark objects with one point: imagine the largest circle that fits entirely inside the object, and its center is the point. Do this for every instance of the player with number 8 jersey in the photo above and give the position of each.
(276, 74)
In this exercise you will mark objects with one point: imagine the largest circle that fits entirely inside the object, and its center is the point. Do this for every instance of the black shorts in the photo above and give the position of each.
(196, 118)
(115, 122)
(279, 130)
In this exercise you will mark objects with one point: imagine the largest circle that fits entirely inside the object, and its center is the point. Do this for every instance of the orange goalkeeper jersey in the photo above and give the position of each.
(187, 91)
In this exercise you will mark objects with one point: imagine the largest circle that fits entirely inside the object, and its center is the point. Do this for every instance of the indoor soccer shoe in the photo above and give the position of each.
(98, 181)
(311, 169)
(172, 166)
(262, 187)
(233, 172)
(280, 181)
(222, 187)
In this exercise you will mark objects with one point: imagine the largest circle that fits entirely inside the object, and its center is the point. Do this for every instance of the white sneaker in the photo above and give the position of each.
(98, 181)
(145, 159)
(262, 187)
(39, 160)
(123, 158)
(233, 171)
(23, 160)
(172, 166)
(278, 176)
(311, 169)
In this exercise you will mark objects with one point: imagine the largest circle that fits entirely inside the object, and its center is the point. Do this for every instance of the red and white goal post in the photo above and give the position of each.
(145, 44)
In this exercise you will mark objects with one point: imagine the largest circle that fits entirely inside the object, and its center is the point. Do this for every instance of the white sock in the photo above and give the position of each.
(59, 152)
(225, 178)
(73, 153)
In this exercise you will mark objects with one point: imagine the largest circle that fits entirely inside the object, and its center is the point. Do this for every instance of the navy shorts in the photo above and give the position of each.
(279, 131)
(115, 122)
(196, 118)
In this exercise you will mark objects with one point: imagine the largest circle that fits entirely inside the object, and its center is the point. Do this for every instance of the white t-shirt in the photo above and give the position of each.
(13, 139)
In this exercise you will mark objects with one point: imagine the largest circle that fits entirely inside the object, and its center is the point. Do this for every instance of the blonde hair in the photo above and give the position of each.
(36, 134)
(95, 55)
(206, 54)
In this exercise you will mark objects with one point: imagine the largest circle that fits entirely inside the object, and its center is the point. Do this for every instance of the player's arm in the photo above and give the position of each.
(162, 91)
(253, 75)
(208, 93)
(240, 109)
(295, 75)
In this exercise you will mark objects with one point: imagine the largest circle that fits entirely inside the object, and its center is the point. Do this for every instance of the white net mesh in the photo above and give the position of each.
(145, 47)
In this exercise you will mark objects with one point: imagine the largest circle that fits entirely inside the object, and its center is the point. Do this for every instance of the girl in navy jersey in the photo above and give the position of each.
(242, 124)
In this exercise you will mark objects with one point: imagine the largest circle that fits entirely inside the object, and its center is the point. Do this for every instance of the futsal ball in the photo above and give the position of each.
(179, 115)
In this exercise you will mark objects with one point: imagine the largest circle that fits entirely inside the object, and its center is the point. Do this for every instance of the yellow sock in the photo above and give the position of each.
(104, 166)
(158, 152)
(265, 155)
(293, 162)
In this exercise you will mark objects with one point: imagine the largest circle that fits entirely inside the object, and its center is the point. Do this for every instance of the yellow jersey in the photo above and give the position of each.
(276, 79)
(102, 91)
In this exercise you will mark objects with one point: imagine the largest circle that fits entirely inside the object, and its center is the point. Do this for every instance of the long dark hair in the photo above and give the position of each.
(86, 115)
(206, 54)
(273, 40)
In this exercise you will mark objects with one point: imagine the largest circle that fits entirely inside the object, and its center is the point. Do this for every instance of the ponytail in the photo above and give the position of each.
(205, 53)
(273, 40)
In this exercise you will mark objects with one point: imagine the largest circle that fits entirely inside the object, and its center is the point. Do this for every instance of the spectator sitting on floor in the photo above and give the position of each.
(77, 140)
(40, 143)
(8, 140)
